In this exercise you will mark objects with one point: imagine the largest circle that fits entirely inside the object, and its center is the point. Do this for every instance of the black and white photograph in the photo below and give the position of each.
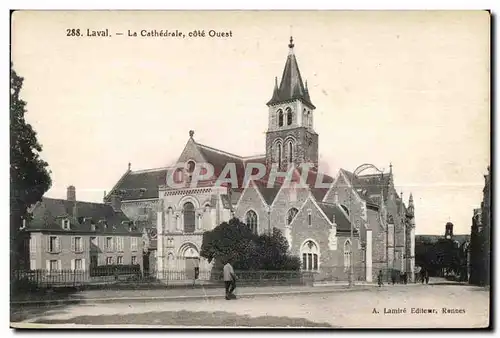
(250, 169)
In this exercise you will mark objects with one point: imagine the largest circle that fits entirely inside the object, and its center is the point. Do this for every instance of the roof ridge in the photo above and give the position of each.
(65, 200)
(373, 175)
(253, 157)
(219, 151)
(141, 171)
(117, 184)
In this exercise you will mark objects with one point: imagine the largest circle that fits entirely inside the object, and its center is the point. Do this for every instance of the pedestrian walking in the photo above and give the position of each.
(379, 279)
(229, 280)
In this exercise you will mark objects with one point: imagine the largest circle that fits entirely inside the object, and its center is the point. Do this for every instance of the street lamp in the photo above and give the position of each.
(356, 172)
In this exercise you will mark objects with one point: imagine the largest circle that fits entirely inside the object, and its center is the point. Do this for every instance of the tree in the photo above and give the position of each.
(235, 241)
(272, 252)
(29, 176)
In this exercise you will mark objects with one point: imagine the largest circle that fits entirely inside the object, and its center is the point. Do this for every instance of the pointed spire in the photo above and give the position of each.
(276, 96)
(306, 93)
(291, 86)
(410, 202)
(129, 166)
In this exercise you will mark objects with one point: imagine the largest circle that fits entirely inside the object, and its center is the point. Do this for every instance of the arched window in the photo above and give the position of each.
(178, 176)
(289, 116)
(310, 253)
(290, 152)
(345, 209)
(280, 118)
(309, 119)
(279, 153)
(189, 217)
(190, 166)
(251, 218)
(291, 215)
(347, 254)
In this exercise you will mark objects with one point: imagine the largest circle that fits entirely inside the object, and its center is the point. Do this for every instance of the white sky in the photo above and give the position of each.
(408, 88)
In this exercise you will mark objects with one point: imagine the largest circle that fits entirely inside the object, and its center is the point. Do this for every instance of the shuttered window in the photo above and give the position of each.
(53, 244)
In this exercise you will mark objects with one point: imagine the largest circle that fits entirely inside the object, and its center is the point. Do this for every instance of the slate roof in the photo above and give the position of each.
(334, 212)
(369, 185)
(49, 213)
(144, 184)
(318, 192)
(219, 159)
(291, 86)
(268, 193)
(141, 184)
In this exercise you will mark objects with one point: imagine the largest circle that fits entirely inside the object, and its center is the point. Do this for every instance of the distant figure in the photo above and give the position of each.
(426, 277)
(229, 280)
(393, 277)
(379, 278)
(196, 274)
(422, 275)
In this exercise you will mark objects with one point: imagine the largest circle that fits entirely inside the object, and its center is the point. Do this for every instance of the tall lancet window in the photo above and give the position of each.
(252, 221)
(279, 154)
(290, 152)
(289, 116)
(347, 254)
(189, 217)
(309, 119)
(280, 118)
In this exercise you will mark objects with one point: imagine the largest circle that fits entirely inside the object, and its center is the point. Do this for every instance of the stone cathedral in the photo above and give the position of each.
(315, 220)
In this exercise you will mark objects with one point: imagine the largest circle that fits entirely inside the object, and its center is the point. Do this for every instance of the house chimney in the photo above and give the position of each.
(71, 194)
(116, 202)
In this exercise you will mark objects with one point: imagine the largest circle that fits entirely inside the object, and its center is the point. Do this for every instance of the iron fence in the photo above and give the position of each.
(75, 278)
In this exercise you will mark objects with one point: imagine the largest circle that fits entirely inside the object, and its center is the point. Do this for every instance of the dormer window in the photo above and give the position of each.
(92, 226)
(65, 224)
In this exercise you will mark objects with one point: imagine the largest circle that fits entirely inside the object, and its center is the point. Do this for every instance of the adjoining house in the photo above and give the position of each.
(66, 234)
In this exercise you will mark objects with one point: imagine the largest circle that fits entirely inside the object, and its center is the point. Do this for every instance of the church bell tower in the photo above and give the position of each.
(290, 137)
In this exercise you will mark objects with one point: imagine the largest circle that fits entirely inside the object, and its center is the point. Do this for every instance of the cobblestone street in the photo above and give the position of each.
(359, 309)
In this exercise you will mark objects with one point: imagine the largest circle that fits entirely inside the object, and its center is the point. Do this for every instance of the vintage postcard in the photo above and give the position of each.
(250, 169)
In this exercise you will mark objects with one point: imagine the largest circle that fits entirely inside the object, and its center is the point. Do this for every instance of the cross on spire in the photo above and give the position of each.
(291, 45)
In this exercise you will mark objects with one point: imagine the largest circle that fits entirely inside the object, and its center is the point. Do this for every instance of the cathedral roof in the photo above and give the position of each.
(291, 86)
(369, 187)
(141, 184)
(144, 184)
(337, 215)
(268, 193)
(318, 192)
